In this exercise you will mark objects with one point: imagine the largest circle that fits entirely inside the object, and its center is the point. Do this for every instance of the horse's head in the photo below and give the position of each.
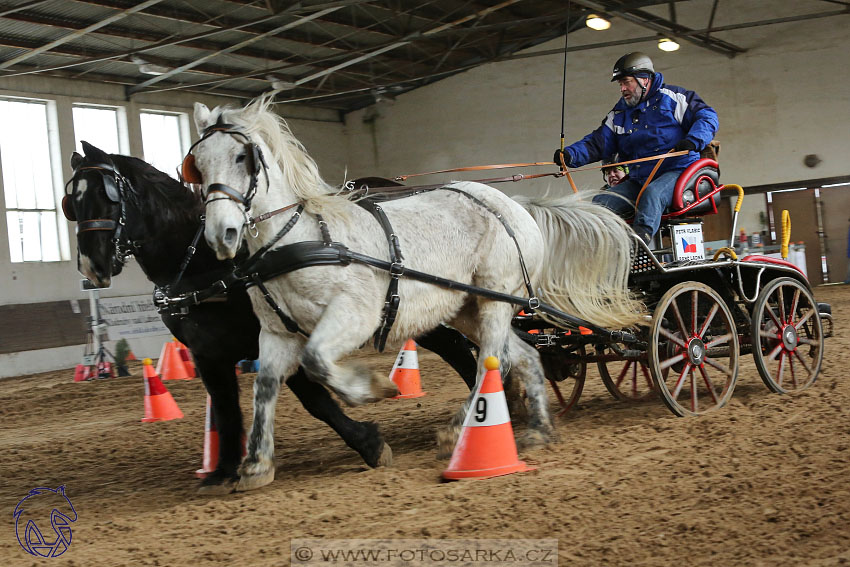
(229, 164)
(94, 200)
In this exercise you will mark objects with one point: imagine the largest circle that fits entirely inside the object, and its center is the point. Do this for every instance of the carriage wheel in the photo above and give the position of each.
(630, 381)
(571, 375)
(787, 336)
(693, 349)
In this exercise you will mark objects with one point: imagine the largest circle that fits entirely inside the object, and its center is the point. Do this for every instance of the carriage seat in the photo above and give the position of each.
(695, 190)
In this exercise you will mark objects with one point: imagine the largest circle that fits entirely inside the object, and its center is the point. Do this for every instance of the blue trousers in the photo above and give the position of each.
(654, 200)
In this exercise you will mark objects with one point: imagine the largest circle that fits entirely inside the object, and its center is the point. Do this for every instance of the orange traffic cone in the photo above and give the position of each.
(159, 405)
(186, 357)
(170, 366)
(405, 372)
(486, 446)
(82, 373)
(210, 443)
(131, 356)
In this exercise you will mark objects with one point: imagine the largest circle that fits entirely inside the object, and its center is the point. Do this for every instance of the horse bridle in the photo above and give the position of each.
(191, 174)
(115, 186)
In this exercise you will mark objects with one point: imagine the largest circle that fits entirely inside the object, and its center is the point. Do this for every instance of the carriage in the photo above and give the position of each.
(705, 314)
(461, 244)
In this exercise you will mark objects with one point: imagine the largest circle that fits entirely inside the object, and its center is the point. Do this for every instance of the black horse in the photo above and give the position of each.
(124, 206)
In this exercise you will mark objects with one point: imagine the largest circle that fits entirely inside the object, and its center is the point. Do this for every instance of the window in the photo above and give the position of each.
(163, 139)
(29, 182)
(97, 125)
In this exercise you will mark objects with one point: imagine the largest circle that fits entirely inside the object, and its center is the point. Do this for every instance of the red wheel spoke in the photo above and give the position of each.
(694, 309)
(775, 351)
(780, 374)
(810, 342)
(770, 312)
(804, 318)
(668, 335)
(681, 381)
(708, 384)
(793, 374)
(781, 295)
(679, 319)
(802, 361)
(722, 339)
(794, 303)
(713, 363)
(671, 361)
(646, 376)
(768, 335)
(694, 396)
(623, 373)
(708, 319)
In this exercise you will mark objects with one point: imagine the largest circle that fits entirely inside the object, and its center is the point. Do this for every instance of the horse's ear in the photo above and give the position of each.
(202, 116)
(94, 153)
(76, 160)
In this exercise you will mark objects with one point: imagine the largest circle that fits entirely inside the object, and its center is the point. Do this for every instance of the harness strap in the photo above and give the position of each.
(190, 252)
(290, 325)
(96, 224)
(533, 301)
(392, 300)
(247, 265)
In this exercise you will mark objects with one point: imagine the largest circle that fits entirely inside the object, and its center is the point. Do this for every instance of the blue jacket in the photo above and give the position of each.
(667, 115)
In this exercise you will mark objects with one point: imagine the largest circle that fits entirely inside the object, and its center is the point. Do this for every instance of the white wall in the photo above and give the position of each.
(787, 96)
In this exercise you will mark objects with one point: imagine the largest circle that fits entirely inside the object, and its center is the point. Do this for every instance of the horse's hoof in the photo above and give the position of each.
(221, 489)
(254, 481)
(383, 387)
(446, 439)
(386, 458)
(533, 438)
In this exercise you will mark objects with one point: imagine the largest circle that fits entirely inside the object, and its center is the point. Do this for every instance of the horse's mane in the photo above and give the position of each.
(158, 194)
(299, 169)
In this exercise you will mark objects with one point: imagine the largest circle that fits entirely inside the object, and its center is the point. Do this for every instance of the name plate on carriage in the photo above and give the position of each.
(687, 242)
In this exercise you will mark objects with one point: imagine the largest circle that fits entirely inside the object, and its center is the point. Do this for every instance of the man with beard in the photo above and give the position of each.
(651, 118)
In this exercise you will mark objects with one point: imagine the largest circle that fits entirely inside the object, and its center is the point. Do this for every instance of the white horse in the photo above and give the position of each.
(585, 250)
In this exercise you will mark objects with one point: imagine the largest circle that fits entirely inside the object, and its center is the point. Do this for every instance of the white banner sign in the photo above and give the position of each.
(132, 316)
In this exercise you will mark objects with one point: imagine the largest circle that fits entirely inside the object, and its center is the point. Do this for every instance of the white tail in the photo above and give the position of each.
(588, 258)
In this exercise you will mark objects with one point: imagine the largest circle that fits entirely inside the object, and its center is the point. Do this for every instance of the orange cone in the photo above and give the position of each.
(186, 357)
(131, 356)
(405, 372)
(210, 443)
(170, 366)
(486, 446)
(159, 405)
(82, 373)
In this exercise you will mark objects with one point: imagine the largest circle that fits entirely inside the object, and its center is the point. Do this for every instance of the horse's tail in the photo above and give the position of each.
(587, 260)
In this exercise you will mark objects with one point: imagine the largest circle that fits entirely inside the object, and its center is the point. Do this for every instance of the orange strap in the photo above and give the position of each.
(567, 173)
(537, 163)
(648, 179)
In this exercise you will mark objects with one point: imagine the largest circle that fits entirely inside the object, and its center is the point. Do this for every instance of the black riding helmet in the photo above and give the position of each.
(635, 64)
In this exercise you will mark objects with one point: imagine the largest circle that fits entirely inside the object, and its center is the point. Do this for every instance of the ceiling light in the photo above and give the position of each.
(279, 84)
(666, 44)
(151, 69)
(597, 22)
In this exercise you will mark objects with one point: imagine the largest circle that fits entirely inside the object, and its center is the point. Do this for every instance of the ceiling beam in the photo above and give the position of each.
(655, 23)
(239, 45)
(79, 33)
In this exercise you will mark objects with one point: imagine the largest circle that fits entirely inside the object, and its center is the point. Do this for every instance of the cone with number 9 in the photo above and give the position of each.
(486, 446)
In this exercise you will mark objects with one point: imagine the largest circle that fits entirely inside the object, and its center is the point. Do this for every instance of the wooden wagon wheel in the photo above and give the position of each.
(693, 349)
(570, 374)
(787, 336)
(629, 379)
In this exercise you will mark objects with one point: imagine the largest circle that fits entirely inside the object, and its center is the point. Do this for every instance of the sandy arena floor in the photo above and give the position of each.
(764, 481)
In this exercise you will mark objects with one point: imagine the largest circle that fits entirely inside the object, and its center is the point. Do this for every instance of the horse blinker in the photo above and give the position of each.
(68, 208)
(190, 172)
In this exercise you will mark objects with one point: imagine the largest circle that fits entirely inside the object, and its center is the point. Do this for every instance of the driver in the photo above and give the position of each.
(650, 118)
